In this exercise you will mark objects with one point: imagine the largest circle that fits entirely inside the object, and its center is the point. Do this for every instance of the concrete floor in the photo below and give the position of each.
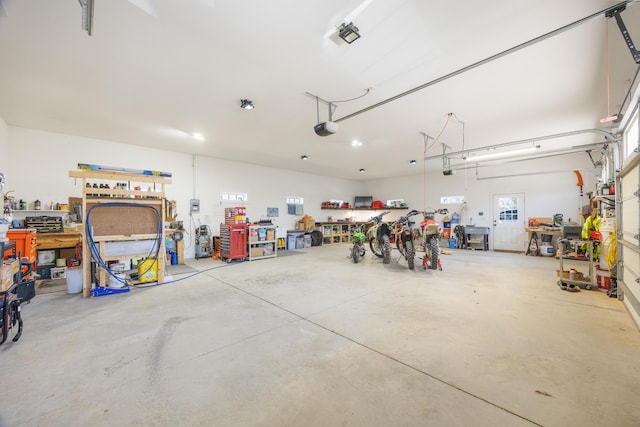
(311, 339)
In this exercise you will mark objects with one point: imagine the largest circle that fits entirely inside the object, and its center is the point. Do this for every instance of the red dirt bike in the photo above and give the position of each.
(405, 236)
(431, 234)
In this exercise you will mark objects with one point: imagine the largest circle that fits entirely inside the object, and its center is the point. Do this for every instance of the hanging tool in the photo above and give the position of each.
(580, 184)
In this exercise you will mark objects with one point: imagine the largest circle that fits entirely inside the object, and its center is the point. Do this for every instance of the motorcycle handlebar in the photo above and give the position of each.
(378, 218)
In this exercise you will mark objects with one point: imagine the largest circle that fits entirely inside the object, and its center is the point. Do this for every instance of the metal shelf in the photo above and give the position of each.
(256, 246)
(568, 246)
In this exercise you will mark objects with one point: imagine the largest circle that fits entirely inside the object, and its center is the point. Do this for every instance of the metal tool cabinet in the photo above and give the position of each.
(477, 236)
(233, 242)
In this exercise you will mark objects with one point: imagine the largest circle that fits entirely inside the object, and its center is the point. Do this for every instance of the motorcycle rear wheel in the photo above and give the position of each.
(435, 252)
(355, 254)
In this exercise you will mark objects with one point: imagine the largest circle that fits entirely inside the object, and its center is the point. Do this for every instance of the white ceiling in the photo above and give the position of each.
(155, 71)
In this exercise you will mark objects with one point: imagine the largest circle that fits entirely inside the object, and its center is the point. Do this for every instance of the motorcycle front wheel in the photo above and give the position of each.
(410, 254)
(375, 247)
(386, 249)
(355, 254)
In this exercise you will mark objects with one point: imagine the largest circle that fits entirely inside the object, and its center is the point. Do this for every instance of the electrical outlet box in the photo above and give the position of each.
(195, 205)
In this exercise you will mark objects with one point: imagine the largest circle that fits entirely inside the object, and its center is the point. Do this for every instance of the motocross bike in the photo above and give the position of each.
(405, 238)
(358, 239)
(379, 238)
(431, 239)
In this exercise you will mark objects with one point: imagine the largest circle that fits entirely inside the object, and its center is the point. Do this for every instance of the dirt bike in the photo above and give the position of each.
(404, 236)
(431, 233)
(379, 238)
(358, 239)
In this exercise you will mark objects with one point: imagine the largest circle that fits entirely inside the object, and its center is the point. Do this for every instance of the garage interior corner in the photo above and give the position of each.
(317, 340)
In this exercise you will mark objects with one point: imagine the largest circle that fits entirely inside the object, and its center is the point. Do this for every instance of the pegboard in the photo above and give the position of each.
(124, 220)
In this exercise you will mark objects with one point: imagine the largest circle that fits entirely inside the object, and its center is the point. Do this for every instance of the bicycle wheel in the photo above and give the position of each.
(16, 317)
(4, 320)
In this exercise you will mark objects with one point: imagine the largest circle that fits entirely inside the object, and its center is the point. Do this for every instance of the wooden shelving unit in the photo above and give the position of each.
(124, 215)
(335, 232)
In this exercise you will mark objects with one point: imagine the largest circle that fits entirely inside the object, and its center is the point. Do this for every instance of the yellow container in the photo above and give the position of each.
(148, 270)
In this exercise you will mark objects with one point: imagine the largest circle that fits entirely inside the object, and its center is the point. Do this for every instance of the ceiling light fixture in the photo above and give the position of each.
(412, 162)
(246, 104)
(198, 136)
(361, 170)
(356, 143)
(348, 32)
(303, 157)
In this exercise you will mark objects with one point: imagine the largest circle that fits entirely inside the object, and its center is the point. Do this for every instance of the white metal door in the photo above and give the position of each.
(508, 222)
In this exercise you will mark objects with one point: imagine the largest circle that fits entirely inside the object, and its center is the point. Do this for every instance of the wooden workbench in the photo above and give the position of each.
(555, 233)
(64, 240)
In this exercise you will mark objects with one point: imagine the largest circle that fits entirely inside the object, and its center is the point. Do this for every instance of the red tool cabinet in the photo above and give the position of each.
(233, 241)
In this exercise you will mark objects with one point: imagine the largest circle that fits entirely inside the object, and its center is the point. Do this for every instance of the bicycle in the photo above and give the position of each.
(20, 291)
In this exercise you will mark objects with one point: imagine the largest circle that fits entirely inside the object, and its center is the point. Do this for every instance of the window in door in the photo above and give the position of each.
(508, 209)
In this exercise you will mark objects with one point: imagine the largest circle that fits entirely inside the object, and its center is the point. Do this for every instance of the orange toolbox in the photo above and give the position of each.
(25, 244)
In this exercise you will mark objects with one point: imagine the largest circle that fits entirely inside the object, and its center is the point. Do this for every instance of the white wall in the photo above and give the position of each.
(40, 163)
(554, 191)
(4, 146)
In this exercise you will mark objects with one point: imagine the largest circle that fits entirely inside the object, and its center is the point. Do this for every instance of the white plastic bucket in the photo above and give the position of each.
(546, 250)
(119, 280)
(3, 232)
(74, 280)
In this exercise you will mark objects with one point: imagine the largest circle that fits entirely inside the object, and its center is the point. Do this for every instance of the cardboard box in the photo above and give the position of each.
(271, 235)
(7, 271)
(565, 275)
(309, 224)
(58, 273)
(47, 257)
(257, 251)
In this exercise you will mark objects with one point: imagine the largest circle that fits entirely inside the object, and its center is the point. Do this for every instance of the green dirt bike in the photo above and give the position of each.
(358, 240)
(379, 236)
